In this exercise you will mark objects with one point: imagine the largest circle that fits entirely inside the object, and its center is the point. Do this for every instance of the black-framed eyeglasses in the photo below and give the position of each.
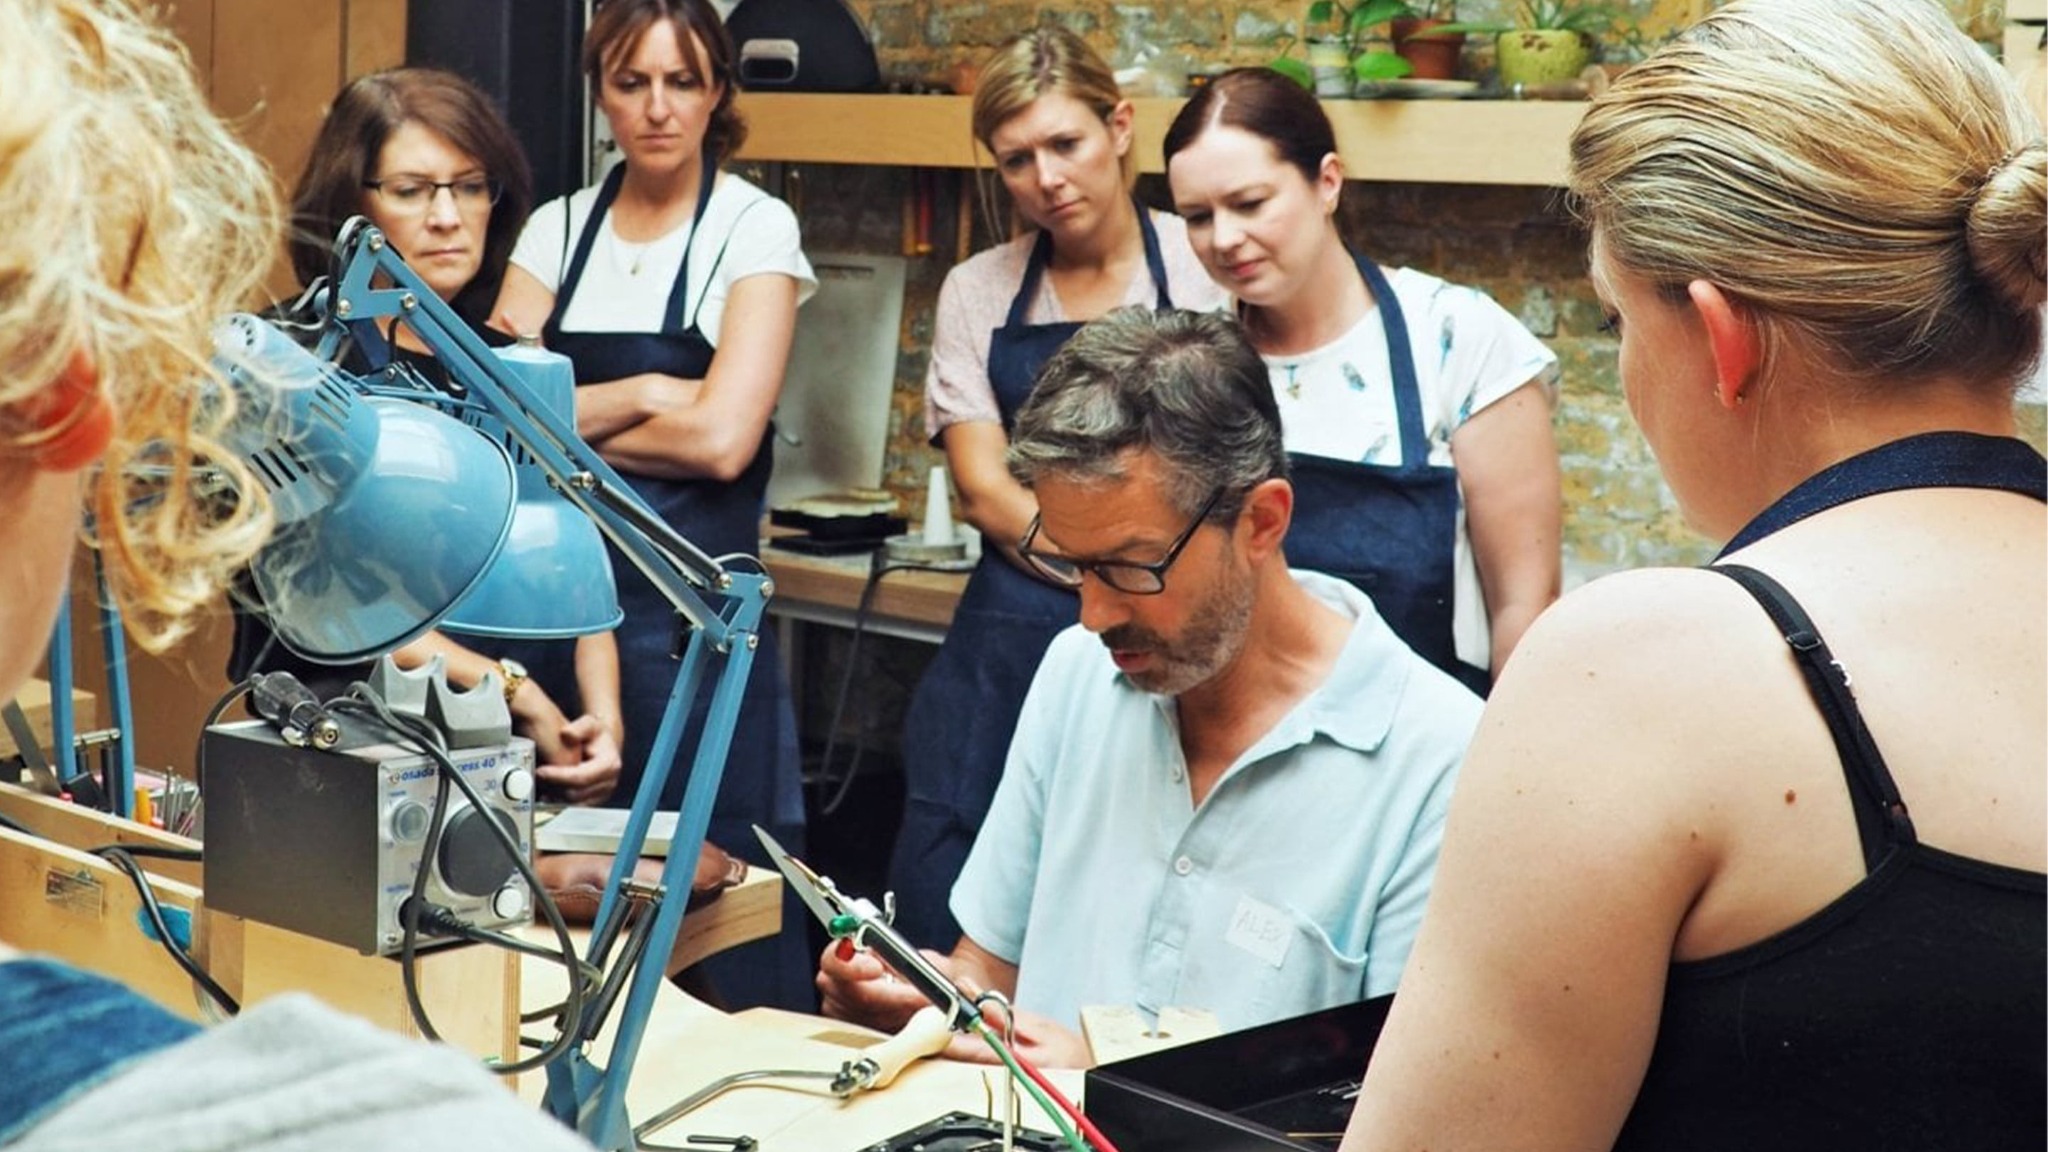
(1128, 576)
(413, 195)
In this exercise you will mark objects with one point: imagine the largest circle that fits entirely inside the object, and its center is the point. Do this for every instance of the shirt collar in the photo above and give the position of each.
(1355, 705)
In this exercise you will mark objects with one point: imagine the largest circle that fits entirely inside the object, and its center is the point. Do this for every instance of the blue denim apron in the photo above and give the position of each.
(1392, 530)
(1929, 460)
(761, 784)
(956, 733)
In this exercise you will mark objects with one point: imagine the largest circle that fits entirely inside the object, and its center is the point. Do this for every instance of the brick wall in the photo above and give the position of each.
(1516, 243)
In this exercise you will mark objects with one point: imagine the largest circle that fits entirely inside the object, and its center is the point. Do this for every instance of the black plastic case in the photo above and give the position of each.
(1288, 1085)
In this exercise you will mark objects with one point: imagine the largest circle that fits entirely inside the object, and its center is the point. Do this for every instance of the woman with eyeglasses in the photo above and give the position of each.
(1417, 411)
(673, 286)
(1048, 109)
(427, 158)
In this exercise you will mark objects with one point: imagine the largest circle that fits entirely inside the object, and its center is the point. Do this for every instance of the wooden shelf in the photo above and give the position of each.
(1430, 141)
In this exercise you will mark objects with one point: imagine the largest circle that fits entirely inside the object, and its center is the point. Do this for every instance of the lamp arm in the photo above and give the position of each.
(720, 648)
(675, 566)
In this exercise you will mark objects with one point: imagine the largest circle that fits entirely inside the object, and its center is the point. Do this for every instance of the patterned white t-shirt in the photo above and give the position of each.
(1338, 400)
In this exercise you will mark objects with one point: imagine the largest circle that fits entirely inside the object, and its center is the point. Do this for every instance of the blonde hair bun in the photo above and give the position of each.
(2008, 228)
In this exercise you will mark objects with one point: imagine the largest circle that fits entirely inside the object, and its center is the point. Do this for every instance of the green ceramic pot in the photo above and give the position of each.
(1541, 56)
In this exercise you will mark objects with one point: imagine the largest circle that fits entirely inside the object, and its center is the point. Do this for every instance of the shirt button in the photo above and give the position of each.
(1176, 774)
(1183, 866)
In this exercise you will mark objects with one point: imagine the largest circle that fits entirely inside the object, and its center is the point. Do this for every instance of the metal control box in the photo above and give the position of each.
(327, 844)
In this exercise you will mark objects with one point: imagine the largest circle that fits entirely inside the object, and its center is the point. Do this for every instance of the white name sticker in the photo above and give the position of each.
(1262, 930)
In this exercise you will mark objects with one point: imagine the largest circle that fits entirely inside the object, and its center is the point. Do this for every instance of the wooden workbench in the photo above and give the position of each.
(60, 900)
(913, 604)
(34, 699)
(689, 1044)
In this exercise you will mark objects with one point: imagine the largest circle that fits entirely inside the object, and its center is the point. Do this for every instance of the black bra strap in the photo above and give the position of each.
(1881, 818)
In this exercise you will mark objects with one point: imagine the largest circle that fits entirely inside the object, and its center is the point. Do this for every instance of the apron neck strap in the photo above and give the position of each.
(1041, 258)
(678, 295)
(1034, 272)
(566, 289)
(1400, 363)
(679, 292)
(1154, 262)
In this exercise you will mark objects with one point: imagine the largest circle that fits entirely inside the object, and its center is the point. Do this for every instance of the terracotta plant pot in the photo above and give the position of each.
(1433, 57)
(1541, 56)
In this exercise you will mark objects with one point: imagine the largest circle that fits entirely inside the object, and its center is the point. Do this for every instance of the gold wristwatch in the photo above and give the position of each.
(515, 675)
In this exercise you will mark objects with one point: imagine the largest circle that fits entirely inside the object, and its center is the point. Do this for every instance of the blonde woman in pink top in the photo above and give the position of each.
(1049, 112)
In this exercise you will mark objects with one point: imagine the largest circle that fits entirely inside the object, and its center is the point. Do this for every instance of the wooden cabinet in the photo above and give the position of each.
(1431, 141)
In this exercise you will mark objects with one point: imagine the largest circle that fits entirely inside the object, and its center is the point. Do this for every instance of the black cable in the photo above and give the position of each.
(123, 857)
(861, 613)
(213, 715)
(429, 744)
(408, 912)
(153, 851)
(446, 922)
(364, 702)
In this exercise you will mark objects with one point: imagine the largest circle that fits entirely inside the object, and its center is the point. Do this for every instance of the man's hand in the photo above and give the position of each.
(1039, 1039)
(587, 770)
(863, 989)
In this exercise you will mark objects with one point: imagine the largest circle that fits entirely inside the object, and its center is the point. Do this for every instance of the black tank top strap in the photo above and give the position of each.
(1881, 818)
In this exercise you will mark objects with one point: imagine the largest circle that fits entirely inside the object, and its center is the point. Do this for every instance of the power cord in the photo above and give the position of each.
(877, 569)
(123, 856)
(363, 703)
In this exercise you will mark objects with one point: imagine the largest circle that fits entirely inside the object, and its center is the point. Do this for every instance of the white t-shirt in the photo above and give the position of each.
(1338, 400)
(625, 286)
(975, 301)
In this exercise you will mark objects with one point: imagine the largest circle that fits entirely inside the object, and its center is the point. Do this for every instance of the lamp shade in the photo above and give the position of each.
(388, 512)
(552, 578)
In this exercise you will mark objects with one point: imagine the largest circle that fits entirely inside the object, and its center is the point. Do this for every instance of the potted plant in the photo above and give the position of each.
(1370, 42)
(1373, 41)
(1551, 42)
(1432, 41)
(1359, 28)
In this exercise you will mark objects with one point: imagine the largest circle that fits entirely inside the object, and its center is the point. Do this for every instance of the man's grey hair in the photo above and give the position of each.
(1185, 386)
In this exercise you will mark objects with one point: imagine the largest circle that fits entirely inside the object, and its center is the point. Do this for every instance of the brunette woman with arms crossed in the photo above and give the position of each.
(1750, 856)
(673, 286)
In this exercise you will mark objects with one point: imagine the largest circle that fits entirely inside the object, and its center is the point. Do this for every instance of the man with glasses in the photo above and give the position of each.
(1228, 783)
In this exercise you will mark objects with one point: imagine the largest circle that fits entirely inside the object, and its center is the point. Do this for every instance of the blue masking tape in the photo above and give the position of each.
(178, 920)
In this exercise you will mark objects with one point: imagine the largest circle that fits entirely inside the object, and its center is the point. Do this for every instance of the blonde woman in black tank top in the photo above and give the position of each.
(1757, 863)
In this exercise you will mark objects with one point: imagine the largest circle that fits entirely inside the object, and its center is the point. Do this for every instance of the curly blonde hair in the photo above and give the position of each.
(131, 220)
(1858, 171)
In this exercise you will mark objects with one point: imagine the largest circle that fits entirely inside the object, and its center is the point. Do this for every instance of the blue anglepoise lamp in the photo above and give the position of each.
(387, 511)
(418, 535)
(552, 579)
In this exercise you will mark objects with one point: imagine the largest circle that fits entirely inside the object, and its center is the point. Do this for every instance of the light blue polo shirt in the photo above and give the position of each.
(1298, 884)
